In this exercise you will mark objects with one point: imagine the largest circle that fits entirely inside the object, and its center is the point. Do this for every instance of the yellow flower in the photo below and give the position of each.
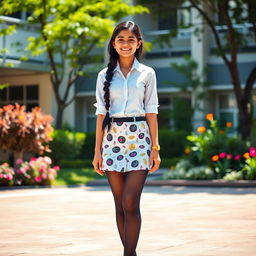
(246, 155)
(201, 129)
(215, 158)
(187, 150)
(209, 116)
(132, 146)
(229, 124)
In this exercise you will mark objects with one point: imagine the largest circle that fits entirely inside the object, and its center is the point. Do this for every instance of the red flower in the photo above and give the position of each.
(237, 157)
(222, 155)
(229, 156)
(252, 152)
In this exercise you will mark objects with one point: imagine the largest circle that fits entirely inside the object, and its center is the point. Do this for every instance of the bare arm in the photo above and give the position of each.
(99, 132)
(97, 161)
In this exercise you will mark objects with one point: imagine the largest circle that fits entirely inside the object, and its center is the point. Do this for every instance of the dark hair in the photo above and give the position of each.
(113, 58)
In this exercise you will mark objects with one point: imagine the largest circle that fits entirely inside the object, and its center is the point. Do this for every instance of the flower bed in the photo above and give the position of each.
(213, 154)
(37, 171)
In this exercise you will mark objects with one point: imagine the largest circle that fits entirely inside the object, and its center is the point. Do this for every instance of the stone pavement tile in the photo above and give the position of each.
(176, 221)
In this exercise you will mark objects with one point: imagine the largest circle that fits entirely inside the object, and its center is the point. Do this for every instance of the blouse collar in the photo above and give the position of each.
(136, 65)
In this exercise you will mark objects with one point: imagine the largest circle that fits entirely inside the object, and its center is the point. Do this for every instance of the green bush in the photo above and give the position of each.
(87, 150)
(76, 163)
(169, 162)
(172, 143)
(66, 145)
(194, 173)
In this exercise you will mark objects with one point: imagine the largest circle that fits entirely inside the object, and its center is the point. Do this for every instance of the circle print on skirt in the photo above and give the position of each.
(119, 123)
(148, 140)
(133, 128)
(121, 139)
(135, 163)
(120, 157)
(109, 137)
(133, 154)
(116, 149)
(109, 161)
(141, 135)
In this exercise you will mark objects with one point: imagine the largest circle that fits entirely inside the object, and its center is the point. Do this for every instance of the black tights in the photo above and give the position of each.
(126, 188)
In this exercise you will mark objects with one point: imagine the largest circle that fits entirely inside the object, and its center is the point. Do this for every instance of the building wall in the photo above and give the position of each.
(44, 83)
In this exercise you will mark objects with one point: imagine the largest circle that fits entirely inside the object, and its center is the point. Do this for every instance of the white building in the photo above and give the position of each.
(30, 81)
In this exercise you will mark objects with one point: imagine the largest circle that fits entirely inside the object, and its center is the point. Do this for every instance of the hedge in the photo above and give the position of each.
(67, 145)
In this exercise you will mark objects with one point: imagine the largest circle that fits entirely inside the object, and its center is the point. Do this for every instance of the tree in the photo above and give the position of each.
(68, 31)
(227, 47)
(22, 131)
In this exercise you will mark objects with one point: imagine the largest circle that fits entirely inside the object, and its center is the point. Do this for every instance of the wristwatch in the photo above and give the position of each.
(156, 147)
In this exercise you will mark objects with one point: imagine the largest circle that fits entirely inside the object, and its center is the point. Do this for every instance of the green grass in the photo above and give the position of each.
(77, 176)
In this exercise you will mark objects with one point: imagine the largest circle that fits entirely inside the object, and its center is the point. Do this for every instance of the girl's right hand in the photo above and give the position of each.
(97, 163)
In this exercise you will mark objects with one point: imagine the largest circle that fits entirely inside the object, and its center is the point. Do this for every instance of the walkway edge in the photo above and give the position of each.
(198, 183)
(189, 183)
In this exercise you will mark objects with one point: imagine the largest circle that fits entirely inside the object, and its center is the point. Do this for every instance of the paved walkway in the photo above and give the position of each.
(176, 221)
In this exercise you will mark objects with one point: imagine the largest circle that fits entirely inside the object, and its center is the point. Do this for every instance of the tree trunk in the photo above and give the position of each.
(245, 119)
(59, 116)
(243, 104)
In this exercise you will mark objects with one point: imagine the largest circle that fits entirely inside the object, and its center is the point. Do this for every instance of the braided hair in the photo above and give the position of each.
(113, 58)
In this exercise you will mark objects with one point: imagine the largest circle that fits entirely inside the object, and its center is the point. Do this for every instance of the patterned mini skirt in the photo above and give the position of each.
(126, 147)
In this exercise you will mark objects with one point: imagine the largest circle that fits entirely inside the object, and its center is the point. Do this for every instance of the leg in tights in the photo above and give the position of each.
(126, 189)
(134, 182)
(116, 181)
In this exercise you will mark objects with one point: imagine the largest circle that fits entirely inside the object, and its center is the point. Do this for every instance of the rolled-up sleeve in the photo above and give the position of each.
(151, 99)
(100, 104)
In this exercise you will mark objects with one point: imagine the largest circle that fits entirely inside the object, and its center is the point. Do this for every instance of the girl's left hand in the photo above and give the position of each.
(154, 160)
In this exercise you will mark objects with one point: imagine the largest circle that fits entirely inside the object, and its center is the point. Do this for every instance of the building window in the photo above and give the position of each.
(165, 112)
(228, 111)
(27, 95)
(254, 106)
(168, 21)
(175, 17)
(90, 117)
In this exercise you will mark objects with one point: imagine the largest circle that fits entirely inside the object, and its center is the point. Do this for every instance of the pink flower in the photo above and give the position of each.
(237, 157)
(41, 170)
(8, 176)
(252, 152)
(51, 177)
(56, 167)
(33, 159)
(38, 179)
(1, 175)
(22, 170)
(44, 176)
(222, 154)
(229, 156)
(47, 160)
(19, 161)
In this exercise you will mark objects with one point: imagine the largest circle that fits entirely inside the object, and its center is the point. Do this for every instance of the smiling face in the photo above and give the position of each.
(126, 43)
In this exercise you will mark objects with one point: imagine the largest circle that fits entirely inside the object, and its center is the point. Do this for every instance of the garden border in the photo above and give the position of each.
(189, 183)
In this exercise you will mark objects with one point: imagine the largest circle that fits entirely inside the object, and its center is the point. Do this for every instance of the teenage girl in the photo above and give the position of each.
(126, 146)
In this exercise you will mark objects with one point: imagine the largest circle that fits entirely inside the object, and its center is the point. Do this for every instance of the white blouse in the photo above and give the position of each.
(134, 95)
